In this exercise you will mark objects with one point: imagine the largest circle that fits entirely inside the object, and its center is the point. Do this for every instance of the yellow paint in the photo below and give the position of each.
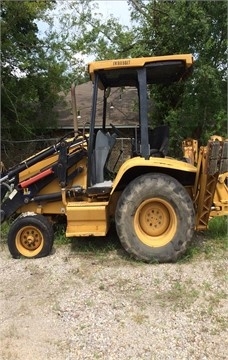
(87, 219)
(167, 163)
(155, 222)
(29, 241)
(220, 200)
(45, 163)
(136, 62)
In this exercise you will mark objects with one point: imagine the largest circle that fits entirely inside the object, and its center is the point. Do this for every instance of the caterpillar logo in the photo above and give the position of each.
(121, 62)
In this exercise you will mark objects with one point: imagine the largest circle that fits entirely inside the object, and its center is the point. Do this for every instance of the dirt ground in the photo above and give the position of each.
(103, 305)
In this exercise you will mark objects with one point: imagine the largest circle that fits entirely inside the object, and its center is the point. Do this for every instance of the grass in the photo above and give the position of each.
(4, 230)
(98, 246)
(180, 295)
(218, 227)
(140, 318)
(210, 243)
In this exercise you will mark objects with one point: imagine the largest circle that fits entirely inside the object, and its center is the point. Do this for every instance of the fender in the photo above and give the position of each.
(153, 162)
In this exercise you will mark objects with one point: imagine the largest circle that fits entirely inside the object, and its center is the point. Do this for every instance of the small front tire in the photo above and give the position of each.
(31, 235)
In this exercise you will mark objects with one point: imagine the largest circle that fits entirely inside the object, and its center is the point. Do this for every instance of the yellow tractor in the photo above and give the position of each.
(157, 202)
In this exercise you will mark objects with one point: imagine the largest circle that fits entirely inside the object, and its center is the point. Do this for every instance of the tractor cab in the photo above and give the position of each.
(136, 73)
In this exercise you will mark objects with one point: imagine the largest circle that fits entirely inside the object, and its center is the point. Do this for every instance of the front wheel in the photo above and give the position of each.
(30, 235)
(155, 218)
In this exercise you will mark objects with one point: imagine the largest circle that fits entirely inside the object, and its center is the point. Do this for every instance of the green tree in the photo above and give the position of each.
(83, 32)
(31, 77)
(198, 107)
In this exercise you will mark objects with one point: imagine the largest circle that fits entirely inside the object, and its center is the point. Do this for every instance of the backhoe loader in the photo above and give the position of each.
(156, 202)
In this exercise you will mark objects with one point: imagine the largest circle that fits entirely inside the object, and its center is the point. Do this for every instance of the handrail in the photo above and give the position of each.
(74, 107)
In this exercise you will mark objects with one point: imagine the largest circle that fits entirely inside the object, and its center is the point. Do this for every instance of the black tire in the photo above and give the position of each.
(155, 218)
(31, 235)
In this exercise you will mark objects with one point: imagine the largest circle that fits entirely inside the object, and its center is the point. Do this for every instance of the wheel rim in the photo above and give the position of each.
(29, 241)
(155, 222)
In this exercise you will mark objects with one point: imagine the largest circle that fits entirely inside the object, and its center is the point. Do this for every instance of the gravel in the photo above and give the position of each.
(74, 306)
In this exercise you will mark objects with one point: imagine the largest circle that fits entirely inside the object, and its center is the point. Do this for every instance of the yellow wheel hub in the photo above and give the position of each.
(155, 222)
(29, 241)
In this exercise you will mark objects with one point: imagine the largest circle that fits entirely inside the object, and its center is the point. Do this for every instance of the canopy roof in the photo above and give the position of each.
(123, 72)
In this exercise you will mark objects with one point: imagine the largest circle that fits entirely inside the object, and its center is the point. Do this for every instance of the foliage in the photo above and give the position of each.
(83, 32)
(35, 69)
(198, 107)
(194, 109)
(31, 76)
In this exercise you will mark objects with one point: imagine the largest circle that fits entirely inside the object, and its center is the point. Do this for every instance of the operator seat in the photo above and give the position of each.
(103, 146)
(158, 140)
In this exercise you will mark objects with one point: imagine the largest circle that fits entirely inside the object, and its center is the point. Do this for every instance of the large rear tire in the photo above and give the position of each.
(31, 235)
(155, 218)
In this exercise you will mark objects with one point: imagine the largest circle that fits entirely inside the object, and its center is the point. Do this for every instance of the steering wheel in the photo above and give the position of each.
(119, 133)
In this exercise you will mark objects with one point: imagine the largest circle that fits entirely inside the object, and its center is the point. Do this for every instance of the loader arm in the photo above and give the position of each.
(25, 181)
